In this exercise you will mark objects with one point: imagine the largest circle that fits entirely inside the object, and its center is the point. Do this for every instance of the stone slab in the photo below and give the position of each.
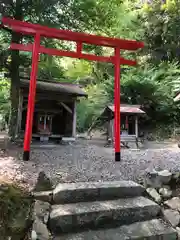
(165, 192)
(45, 196)
(149, 230)
(91, 191)
(165, 176)
(69, 217)
(41, 230)
(152, 180)
(154, 194)
(41, 210)
(173, 203)
(178, 232)
(172, 216)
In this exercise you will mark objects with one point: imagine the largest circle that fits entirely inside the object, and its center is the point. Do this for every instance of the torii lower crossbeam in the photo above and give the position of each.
(38, 32)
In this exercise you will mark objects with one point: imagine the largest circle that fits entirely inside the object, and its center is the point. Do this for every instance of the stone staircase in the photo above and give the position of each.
(106, 211)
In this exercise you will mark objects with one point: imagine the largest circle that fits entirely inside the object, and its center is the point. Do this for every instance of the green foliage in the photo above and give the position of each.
(89, 109)
(152, 89)
(151, 85)
(15, 207)
(49, 69)
(4, 95)
(77, 69)
(161, 30)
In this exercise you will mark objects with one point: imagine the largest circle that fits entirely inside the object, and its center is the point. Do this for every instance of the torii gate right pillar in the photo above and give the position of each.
(117, 119)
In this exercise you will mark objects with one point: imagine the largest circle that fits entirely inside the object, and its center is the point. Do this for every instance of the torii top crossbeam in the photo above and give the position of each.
(33, 29)
(36, 48)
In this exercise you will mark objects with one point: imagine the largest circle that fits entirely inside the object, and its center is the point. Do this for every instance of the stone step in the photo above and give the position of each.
(93, 191)
(84, 215)
(149, 230)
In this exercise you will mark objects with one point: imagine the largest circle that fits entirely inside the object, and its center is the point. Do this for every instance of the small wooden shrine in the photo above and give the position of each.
(55, 109)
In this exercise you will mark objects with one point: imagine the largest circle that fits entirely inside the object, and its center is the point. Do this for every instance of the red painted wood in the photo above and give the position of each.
(79, 47)
(117, 118)
(32, 29)
(90, 57)
(32, 94)
(80, 39)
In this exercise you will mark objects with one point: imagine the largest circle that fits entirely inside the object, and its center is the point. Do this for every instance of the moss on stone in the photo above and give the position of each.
(15, 211)
(43, 183)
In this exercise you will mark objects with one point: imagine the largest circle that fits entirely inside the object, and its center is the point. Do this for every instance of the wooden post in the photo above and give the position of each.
(112, 130)
(31, 97)
(136, 126)
(107, 129)
(117, 117)
(74, 121)
(45, 120)
(20, 109)
(127, 124)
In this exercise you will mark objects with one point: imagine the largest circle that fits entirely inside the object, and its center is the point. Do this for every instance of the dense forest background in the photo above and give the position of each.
(152, 84)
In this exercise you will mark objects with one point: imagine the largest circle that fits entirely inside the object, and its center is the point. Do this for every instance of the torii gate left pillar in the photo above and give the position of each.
(36, 48)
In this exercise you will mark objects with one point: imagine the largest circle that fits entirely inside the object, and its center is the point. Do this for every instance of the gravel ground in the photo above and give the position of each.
(84, 161)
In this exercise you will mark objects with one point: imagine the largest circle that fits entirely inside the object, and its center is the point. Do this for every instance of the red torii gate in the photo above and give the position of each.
(36, 48)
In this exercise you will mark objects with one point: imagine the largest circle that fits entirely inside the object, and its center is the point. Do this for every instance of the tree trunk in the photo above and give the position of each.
(14, 72)
(15, 82)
